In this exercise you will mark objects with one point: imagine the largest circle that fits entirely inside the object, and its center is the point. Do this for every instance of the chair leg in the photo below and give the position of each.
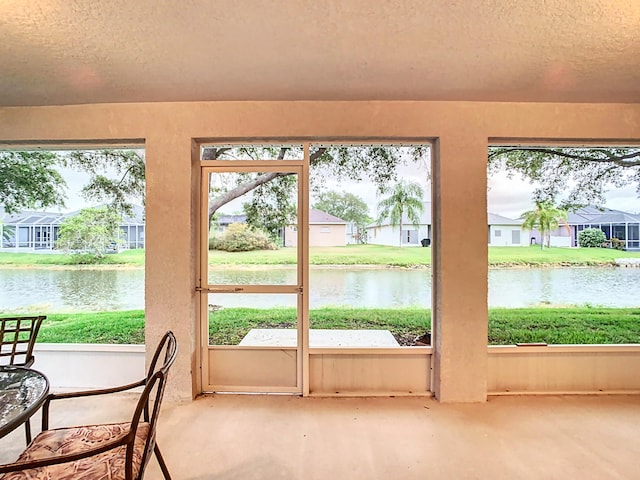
(163, 466)
(27, 431)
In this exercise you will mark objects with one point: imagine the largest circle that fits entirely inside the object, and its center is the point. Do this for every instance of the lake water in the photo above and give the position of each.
(57, 290)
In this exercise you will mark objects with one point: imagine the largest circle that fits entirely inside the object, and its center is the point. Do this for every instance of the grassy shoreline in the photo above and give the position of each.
(573, 325)
(361, 256)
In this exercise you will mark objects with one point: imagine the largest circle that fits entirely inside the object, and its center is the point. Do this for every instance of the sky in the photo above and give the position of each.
(510, 197)
(75, 182)
(506, 197)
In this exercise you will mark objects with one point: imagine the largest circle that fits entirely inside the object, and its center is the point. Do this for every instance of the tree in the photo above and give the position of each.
(8, 233)
(29, 180)
(272, 206)
(377, 163)
(346, 206)
(582, 175)
(93, 231)
(403, 197)
(126, 180)
(545, 217)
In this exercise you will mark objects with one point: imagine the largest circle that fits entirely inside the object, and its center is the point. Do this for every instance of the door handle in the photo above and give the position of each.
(220, 290)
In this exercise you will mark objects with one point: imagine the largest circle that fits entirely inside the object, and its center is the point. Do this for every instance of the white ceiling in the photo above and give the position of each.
(72, 51)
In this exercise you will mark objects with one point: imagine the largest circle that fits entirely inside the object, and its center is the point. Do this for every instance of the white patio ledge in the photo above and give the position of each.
(280, 337)
(82, 365)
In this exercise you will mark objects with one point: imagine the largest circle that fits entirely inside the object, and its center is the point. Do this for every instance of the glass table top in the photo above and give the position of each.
(22, 391)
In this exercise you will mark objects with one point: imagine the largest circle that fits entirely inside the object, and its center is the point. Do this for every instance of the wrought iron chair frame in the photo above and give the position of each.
(147, 408)
(28, 326)
(10, 336)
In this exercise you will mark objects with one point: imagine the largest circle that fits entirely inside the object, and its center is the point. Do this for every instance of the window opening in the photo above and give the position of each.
(576, 205)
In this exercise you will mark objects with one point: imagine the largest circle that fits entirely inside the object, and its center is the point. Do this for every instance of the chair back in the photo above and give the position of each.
(17, 338)
(148, 407)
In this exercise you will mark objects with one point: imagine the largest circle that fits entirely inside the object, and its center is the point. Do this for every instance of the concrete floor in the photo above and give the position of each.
(227, 437)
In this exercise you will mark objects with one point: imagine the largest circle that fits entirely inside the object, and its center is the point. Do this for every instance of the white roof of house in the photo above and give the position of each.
(27, 217)
(495, 219)
(592, 214)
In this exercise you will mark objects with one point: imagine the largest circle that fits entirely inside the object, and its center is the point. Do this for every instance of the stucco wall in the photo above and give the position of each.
(390, 235)
(505, 237)
(329, 235)
(461, 132)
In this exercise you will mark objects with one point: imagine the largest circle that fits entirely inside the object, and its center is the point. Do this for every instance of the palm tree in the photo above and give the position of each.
(403, 197)
(8, 233)
(545, 217)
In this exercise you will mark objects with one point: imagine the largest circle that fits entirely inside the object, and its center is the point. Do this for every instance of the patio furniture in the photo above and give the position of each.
(101, 452)
(17, 338)
(22, 393)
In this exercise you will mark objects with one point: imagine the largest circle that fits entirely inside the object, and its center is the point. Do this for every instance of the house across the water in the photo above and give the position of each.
(325, 230)
(508, 232)
(502, 231)
(38, 231)
(614, 223)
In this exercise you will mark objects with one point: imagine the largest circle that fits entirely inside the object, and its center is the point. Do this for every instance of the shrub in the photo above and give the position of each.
(85, 259)
(615, 243)
(239, 237)
(591, 238)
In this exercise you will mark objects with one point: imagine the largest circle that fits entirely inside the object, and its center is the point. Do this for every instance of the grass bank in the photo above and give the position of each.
(577, 325)
(128, 257)
(353, 255)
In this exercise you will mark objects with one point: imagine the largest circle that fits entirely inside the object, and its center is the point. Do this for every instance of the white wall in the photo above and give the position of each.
(563, 369)
(560, 241)
(79, 366)
(501, 236)
(388, 235)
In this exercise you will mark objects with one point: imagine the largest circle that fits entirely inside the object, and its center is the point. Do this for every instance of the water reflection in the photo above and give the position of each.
(63, 290)
(596, 286)
(54, 290)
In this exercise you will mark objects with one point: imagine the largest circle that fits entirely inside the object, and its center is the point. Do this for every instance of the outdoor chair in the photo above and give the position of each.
(17, 338)
(117, 451)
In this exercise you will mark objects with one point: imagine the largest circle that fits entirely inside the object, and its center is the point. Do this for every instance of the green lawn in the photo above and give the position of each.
(128, 257)
(575, 325)
(118, 327)
(506, 256)
(354, 255)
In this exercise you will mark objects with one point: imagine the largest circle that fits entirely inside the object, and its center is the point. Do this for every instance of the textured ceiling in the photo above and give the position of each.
(71, 51)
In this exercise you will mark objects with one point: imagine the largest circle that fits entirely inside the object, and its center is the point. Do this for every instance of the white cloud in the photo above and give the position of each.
(509, 197)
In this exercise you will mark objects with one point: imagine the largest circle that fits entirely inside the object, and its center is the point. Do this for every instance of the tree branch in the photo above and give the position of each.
(631, 159)
(242, 189)
(261, 180)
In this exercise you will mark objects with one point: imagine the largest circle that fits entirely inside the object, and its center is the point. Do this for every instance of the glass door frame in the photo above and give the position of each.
(301, 169)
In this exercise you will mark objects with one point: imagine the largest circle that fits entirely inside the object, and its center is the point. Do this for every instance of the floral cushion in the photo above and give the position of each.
(105, 466)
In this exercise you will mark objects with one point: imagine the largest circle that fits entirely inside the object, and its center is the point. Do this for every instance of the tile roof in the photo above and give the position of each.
(318, 216)
(592, 214)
